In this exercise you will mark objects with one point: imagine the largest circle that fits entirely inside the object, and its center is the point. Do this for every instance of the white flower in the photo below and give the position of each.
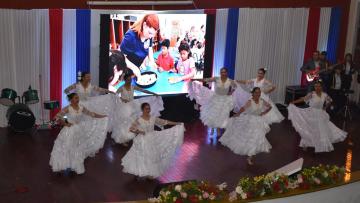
(262, 193)
(153, 200)
(178, 188)
(212, 197)
(317, 181)
(325, 174)
(238, 190)
(167, 193)
(174, 199)
(232, 196)
(205, 195)
(162, 193)
(299, 178)
(183, 195)
(243, 195)
(222, 186)
(200, 197)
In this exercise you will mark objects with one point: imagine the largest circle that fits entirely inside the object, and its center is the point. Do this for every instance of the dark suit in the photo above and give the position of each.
(337, 95)
(347, 78)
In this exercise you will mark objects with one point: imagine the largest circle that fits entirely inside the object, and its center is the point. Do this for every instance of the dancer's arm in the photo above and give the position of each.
(242, 109)
(268, 108)
(134, 128)
(70, 88)
(102, 90)
(205, 79)
(59, 118)
(93, 114)
(271, 87)
(145, 91)
(244, 82)
(302, 99)
(328, 101)
(159, 121)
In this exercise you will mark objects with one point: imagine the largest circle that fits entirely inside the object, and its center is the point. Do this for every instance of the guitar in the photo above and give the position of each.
(314, 74)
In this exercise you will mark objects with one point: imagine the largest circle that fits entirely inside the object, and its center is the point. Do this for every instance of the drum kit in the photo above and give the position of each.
(20, 117)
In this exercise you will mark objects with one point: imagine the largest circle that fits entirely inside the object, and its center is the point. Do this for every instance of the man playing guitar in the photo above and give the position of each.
(312, 69)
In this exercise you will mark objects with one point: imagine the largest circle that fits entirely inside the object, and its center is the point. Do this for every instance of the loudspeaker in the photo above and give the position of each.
(294, 92)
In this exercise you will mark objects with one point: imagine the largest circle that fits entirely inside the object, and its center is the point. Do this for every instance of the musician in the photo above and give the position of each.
(337, 87)
(325, 76)
(348, 69)
(311, 65)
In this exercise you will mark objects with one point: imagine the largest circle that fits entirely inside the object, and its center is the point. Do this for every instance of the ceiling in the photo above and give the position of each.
(198, 4)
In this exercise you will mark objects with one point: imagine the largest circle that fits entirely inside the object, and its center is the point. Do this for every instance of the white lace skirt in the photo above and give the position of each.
(245, 135)
(74, 144)
(152, 153)
(274, 115)
(126, 113)
(104, 105)
(315, 128)
(215, 109)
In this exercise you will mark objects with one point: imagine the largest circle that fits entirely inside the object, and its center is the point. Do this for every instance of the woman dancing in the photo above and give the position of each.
(313, 123)
(215, 106)
(81, 136)
(129, 110)
(152, 151)
(245, 132)
(103, 104)
(266, 87)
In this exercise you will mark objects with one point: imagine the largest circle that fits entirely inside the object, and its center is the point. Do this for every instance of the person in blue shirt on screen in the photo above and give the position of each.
(137, 43)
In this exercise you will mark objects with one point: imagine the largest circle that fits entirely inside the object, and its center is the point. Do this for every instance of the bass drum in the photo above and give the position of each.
(20, 118)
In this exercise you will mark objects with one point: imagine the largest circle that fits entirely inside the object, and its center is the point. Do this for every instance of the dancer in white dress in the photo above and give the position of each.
(89, 98)
(245, 132)
(129, 110)
(313, 123)
(152, 151)
(215, 106)
(81, 136)
(274, 116)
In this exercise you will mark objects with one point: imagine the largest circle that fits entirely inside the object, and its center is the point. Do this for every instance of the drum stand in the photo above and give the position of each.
(346, 111)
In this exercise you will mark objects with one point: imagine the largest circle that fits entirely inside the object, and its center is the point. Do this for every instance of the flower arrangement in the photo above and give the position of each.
(192, 191)
(260, 186)
(249, 188)
(270, 184)
(319, 176)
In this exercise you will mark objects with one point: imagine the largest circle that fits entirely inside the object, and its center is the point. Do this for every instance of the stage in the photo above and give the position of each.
(27, 177)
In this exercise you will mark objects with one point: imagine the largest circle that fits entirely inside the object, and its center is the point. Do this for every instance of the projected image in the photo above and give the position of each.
(162, 51)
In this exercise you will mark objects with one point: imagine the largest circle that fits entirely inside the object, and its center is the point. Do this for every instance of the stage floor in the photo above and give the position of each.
(26, 175)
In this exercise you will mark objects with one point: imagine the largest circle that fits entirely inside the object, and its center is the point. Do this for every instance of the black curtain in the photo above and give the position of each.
(104, 50)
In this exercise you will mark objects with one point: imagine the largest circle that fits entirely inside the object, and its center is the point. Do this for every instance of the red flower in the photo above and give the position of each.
(193, 198)
(276, 186)
(178, 200)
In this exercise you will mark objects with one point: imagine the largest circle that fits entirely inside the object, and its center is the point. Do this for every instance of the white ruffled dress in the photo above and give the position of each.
(100, 104)
(126, 113)
(74, 144)
(314, 125)
(151, 154)
(245, 134)
(215, 106)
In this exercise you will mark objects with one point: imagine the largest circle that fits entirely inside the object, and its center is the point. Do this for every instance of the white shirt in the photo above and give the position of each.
(347, 68)
(317, 63)
(337, 82)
